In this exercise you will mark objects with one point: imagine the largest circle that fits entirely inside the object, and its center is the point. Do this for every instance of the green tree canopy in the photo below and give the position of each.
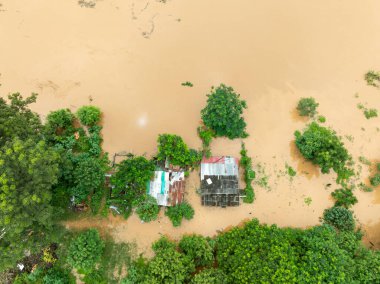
(324, 148)
(28, 172)
(223, 113)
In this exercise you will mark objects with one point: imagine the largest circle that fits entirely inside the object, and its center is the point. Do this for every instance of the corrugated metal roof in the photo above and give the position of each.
(167, 187)
(219, 166)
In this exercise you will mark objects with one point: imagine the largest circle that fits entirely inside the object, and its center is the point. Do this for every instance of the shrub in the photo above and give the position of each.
(307, 107)
(369, 113)
(178, 212)
(323, 147)
(223, 113)
(249, 175)
(210, 276)
(187, 84)
(344, 197)
(322, 119)
(163, 244)
(85, 251)
(198, 249)
(372, 78)
(173, 148)
(375, 180)
(340, 218)
(206, 136)
(89, 115)
(148, 209)
(58, 276)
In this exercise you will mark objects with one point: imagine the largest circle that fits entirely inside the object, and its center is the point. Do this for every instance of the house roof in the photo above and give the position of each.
(167, 187)
(219, 166)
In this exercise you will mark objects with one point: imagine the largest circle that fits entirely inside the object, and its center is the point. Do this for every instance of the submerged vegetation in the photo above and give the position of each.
(372, 78)
(249, 175)
(307, 107)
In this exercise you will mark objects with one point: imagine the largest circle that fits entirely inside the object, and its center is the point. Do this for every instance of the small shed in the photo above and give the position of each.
(167, 187)
(220, 181)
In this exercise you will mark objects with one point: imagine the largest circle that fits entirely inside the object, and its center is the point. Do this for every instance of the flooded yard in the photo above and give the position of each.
(129, 57)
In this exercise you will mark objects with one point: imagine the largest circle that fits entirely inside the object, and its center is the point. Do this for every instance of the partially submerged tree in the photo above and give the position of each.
(324, 148)
(223, 113)
(372, 78)
(307, 107)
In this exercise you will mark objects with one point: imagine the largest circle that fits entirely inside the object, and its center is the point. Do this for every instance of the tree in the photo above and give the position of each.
(17, 120)
(28, 172)
(173, 147)
(307, 107)
(178, 212)
(340, 218)
(148, 209)
(323, 147)
(344, 197)
(198, 249)
(89, 115)
(210, 276)
(85, 251)
(223, 113)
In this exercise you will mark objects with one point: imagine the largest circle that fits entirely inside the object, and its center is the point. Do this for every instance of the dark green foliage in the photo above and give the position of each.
(60, 119)
(89, 115)
(85, 251)
(187, 84)
(129, 182)
(367, 266)
(172, 147)
(28, 172)
(321, 146)
(148, 209)
(307, 107)
(372, 78)
(58, 276)
(198, 249)
(17, 120)
(321, 119)
(178, 212)
(340, 218)
(375, 180)
(344, 197)
(163, 244)
(290, 171)
(210, 276)
(370, 113)
(223, 113)
(249, 175)
(206, 136)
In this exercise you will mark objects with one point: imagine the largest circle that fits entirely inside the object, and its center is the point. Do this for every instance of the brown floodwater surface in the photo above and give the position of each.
(129, 57)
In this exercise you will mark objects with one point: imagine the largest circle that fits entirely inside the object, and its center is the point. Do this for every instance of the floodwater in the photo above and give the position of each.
(129, 57)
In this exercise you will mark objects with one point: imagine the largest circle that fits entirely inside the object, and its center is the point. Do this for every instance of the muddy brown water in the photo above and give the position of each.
(130, 58)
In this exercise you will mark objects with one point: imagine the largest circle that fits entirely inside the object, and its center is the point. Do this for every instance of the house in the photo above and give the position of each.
(220, 181)
(167, 187)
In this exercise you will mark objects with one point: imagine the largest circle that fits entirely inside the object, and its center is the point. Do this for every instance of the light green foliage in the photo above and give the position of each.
(375, 180)
(249, 175)
(344, 197)
(148, 209)
(60, 119)
(17, 120)
(290, 171)
(372, 78)
(307, 107)
(223, 113)
(178, 212)
(340, 218)
(198, 249)
(210, 276)
(89, 115)
(321, 119)
(85, 251)
(206, 136)
(28, 170)
(173, 147)
(364, 161)
(323, 147)
(308, 201)
(365, 187)
(370, 113)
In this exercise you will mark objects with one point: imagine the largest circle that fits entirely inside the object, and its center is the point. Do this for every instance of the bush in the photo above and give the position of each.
(178, 212)
(210, 276)
(372, 78)
(85, 251)
(223, 113)
(89, 115)
(198, 249)
(375, 180)
(323, 147)
(206, 136)
(249, 175)
(58, 276)
(340, 218)
(307, 107)
(148, 209)
(344, 197)
(370, 113)
(173, 147)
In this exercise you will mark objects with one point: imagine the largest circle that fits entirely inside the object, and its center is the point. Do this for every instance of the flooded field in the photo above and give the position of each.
(130, 58)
